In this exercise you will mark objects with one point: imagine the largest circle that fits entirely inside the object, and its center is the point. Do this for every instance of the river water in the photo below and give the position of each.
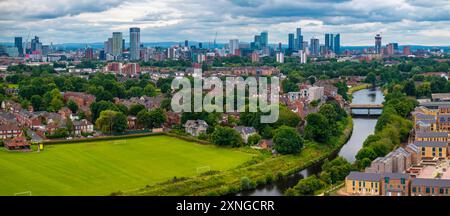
(362, 128)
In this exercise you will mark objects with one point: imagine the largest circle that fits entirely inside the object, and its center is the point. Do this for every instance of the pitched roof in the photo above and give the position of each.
(413, 147)
(395, 175)
(362, 176)
(245, 130)
(430, 182)
(8, 127)
(430, 144)
(432, 134)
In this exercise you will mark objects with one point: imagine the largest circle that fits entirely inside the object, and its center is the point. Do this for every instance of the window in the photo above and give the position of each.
(432, 190)
(386, 180)
(427, 190)
(354, 184)
(414, 189)
(441, 190)
(364, 184)
(402, 180)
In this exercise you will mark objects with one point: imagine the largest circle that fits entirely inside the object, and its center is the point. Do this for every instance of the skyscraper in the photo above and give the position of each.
(337, 44)
(36, 46)
(234, 45)
(89, 54)
(19, 45)
(117, 44)
(329, 41)
(299, 45)
(378, 44)
(264, 39)
(257, 42)
(315, 46)
(108, 46)
(291, 40)
(135, 42)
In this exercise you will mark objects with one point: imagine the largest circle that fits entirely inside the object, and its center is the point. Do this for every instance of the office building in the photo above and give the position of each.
(315, 47)
(36, 46)
(406, 50)
(280, 57)
(329, 41)
(337, 44)
(299, 43)
(234, 45)
(117, 44)
(378, 44)
(264, 39)
(18, 43)
(89, 54)
(135, 42)
(291, 41)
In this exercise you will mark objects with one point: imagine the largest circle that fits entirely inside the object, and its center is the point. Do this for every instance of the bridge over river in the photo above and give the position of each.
(366, 109)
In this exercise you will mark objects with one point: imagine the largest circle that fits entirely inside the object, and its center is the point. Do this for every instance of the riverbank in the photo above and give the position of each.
(357, 88)
(261, 170)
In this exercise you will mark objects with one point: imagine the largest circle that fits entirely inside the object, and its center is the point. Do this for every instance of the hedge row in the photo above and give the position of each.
(95, 139)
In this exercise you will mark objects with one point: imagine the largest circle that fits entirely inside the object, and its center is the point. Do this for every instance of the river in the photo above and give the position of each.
(362, 128)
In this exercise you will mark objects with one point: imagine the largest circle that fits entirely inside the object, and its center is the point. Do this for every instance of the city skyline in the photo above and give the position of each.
(406, 22)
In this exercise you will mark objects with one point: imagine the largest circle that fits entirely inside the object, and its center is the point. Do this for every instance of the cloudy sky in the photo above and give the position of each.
(425, 22)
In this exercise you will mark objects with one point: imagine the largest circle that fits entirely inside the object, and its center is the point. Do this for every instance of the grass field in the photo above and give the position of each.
(108, 166)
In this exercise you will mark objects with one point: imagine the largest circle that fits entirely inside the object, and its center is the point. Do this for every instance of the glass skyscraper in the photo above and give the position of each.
(135, 41)
(337, 44)
(19, 45)
(299, 43)
(291, 41)
(264, 39)
(117, 44)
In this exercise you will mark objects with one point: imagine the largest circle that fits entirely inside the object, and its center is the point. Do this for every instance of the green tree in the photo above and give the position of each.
(70, 127)
(372, 79)
(135, 109)
(317, 127)
(158, 117)
(366, 152)
(72, 106)
(287, 140)
(55, 104)
(410, 88)
(226, 136)
(307, 186)
(150, 90)
(38, 103)
(287, 117)
(144, 119)
(112, 121)
(253, 139)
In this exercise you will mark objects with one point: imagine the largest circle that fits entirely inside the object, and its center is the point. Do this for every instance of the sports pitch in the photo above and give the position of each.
(100, 168)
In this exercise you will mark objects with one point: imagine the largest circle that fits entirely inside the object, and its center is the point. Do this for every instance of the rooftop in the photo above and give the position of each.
(430, 144)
